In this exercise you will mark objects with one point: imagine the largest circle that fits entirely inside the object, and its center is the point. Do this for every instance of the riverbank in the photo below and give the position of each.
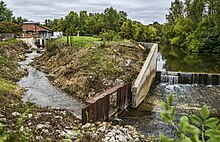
(26, 122)
(85, 71)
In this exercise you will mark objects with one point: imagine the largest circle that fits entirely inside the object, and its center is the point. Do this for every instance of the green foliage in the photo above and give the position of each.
(193, 128)
(5, 87)
(5, 13)
(193, 25)
(111, 24)
(206, 37)
(9, 27)
(110, 36)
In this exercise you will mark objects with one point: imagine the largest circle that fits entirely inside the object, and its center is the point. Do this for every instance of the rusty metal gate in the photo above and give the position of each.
(103, 106)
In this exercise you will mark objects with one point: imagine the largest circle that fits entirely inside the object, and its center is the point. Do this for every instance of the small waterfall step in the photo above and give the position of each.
(173, 78)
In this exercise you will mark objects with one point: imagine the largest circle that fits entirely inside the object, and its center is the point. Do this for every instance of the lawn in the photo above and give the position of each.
(82, 41)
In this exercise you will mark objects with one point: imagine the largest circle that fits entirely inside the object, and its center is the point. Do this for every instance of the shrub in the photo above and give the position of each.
(194, 128)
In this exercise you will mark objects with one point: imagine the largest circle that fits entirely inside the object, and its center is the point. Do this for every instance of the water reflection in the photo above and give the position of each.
(181, 61)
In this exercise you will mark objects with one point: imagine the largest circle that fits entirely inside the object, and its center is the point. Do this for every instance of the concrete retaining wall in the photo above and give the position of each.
(142, 84)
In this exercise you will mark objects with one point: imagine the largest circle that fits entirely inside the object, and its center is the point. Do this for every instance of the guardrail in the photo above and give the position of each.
(103, 106)
(142, 84)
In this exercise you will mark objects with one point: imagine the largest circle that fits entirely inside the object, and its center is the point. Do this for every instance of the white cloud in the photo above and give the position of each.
(145, 11)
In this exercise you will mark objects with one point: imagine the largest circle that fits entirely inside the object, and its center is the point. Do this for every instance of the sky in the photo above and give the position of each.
(145, 11)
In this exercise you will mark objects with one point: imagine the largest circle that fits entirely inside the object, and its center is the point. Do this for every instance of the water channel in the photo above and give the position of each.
(188, 98)
(43, 93)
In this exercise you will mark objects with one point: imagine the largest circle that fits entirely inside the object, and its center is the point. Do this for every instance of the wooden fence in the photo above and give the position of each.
(103, 106)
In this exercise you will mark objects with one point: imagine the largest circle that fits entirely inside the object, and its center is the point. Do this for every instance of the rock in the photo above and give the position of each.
(128, 62)
(72, 134)
(58, 117)
(22, 129)
(86, 126)
(30, 123)
(40, 126)
(102, 129)
(124, 130)
(136, 140)
(45, 131)
(112, 139)
(110, 134)
(30, 115)
(122, 138)
(3, 120)
(130, 128)
(15, 114)
(39, 138)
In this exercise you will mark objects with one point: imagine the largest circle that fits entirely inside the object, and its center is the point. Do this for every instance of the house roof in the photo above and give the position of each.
(28, 26)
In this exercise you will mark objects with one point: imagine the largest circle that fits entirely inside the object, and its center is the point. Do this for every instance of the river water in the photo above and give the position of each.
(187, 98)
(43, 93)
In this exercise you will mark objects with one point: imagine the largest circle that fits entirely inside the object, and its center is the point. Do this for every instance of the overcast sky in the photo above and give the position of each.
(145, 11)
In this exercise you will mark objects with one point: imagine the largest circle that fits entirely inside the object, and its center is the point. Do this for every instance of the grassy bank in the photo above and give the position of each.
(84, 72)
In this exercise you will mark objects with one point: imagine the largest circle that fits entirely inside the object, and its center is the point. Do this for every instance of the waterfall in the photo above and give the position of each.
(172, 78)
(169, 79)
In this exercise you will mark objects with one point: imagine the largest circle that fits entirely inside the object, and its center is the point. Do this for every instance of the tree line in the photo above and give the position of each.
(193, 25)
(110, 24)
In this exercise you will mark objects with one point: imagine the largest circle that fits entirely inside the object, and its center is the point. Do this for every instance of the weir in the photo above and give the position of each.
(172, 78)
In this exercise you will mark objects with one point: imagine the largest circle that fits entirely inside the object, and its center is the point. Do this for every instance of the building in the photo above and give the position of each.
(39, 33)
(35, 30)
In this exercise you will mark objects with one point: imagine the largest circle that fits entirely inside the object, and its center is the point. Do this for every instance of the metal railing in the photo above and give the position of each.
(103, 106)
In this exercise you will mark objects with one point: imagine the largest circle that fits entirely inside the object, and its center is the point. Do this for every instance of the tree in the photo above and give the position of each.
(111, 19)
(206, 37)
(127, 30)
(19, 20)
(9, 27)
(83, 21)
(5, 13)
(176, 10)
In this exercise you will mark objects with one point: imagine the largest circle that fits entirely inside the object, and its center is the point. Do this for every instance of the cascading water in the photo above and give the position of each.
(169, 79)
(191, 91)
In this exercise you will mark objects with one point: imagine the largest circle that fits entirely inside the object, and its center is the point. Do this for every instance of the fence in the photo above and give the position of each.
(103, 106)
(6, 36)
(145, 78)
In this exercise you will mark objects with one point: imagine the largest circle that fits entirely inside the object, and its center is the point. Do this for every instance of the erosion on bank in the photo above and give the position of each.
(86, 71)
(24, 121)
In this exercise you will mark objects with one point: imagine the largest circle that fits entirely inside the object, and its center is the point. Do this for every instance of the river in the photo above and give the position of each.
(43, 93)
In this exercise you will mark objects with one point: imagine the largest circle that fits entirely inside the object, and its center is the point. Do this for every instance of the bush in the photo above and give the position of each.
(193, 128)
(110, 36)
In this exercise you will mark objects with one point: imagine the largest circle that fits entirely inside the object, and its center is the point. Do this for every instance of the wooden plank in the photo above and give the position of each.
(85, 113)
(110, 91)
